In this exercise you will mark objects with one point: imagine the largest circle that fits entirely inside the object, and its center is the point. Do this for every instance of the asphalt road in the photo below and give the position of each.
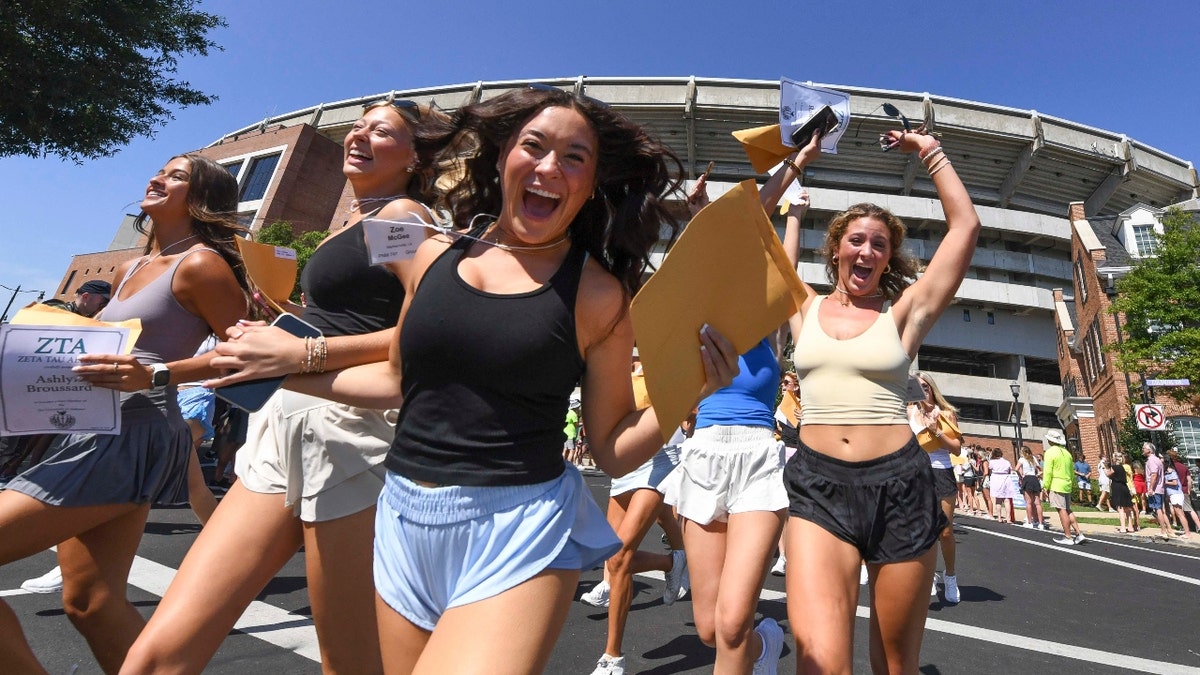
(1110, 605)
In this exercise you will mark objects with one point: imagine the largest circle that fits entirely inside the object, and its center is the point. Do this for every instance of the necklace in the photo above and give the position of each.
(147, 261)
(356, 204)
(846, 302)
(512, 247)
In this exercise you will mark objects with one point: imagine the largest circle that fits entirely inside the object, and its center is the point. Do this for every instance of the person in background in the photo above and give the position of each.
(1003, 488)
(1156, 488)
(1173, 489)
(1083, 475)
(925, 415)
(1104, 501)
(787, 418)
(1122, 498)
(1031, 487)
(93, 492)
(572, 452)
(1060, 479)
(985, 482)
(1185, 480)
(90, 298)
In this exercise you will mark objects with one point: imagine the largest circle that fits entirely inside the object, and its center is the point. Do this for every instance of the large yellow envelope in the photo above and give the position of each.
(728, 270)
(271, 268)
(38, 314)
(763, 146)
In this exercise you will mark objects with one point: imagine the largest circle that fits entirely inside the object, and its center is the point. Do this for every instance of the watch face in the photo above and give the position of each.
(161, 376)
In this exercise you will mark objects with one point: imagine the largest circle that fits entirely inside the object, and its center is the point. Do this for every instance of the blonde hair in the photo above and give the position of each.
(938, 398)
(902, 266)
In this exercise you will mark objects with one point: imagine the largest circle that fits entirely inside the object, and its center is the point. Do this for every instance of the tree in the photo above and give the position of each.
(1160, 301)
(80, 79)
(281, 233)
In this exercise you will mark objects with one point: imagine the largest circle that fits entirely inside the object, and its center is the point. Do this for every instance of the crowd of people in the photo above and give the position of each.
(419, 452)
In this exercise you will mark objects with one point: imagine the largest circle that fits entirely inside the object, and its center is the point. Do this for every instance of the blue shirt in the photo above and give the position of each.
(750, 399)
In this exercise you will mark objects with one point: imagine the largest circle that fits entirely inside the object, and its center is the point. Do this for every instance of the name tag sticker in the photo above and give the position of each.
(393, 240)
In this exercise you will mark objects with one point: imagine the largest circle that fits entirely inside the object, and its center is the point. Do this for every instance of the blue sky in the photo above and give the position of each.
(1125, 67)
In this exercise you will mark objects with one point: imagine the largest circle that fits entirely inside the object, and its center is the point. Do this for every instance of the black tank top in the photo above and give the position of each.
(346, 294)
(487, 378)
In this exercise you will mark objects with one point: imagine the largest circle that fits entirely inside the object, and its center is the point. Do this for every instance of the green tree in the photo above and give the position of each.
(80, 79)
(281, 233)
(1160, 301)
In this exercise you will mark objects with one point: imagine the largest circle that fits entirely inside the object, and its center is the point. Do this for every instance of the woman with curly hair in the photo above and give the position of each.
(480, 519)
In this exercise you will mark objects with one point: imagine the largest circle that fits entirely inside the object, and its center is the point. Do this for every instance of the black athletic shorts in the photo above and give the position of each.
(887, 507)
(943, 483)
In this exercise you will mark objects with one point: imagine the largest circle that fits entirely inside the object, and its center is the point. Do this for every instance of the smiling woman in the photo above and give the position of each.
(480, 519)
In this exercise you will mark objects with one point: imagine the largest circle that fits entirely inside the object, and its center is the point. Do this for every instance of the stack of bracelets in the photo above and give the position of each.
(935, 160)
(315, 350)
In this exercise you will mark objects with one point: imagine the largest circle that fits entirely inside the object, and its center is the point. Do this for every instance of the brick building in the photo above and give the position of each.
(1097, 397)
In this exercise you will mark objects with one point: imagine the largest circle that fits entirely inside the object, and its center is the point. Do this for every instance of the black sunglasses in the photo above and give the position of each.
(541, 86)
(402, 105)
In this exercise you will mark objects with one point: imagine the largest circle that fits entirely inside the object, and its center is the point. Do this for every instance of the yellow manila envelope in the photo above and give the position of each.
(728, 270)
(271, 268)
(763, 146)
(38, 314)
(789, 405)
(641, 397)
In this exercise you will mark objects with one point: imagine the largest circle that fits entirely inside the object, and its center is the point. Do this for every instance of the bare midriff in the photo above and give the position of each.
(855, 442)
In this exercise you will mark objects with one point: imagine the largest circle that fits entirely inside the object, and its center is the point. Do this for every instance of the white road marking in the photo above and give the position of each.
(1074, 550)
(279, 627)
(1032, 644)
(15, 591)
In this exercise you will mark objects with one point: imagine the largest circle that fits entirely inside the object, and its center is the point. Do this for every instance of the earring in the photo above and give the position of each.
(887, 269)
(409, 169)
(834, 260)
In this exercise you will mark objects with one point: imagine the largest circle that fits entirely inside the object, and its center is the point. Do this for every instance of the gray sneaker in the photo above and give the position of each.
(772, 641)
(674, 577)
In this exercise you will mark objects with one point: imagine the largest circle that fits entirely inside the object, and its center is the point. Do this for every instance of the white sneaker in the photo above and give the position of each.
(686, 586)
(1029, 524)
(1079, 538)
(609, 665)
(597, 597)
(1065, 541)
(779, 569)
(772, 642)
(674, 577)
(933, 589)
(50, 582)
(863, 576)
(950, 586)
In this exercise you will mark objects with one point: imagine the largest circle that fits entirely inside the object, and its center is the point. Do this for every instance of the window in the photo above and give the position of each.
(254, 186)
(1185, 432)
(991, 317)
(1145, 240)
(235, 168)
(1080, 281)
(967, 315)
(1094, 334)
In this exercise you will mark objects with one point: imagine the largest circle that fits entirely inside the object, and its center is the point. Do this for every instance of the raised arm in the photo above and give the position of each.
(930, 295)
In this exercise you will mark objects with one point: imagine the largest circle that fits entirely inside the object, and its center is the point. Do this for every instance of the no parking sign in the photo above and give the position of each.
(1150, 417)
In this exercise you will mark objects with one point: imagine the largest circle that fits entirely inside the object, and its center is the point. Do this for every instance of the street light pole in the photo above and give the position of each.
(1015, 387)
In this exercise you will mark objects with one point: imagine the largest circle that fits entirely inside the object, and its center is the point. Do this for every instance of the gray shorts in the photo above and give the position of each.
(1061, 500)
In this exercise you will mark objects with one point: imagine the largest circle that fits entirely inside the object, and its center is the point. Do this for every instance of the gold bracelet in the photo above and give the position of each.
(793, 166)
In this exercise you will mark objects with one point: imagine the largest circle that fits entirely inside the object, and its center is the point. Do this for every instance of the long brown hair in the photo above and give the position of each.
(212, 200)
(626, 215)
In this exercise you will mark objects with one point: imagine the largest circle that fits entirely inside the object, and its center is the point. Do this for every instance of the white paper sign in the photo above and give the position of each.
(393, 240)
(798, 102)
(39, 393)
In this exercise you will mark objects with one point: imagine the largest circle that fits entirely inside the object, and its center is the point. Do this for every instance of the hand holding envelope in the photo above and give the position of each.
(728, 270)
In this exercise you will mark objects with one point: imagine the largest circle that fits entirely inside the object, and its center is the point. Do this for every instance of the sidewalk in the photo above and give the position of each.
(1149, 533)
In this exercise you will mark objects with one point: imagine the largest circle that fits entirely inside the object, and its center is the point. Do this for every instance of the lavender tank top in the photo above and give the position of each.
(169, 332)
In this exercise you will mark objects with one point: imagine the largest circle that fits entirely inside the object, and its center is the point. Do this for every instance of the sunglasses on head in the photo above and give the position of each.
(402, 105)
(541, 86)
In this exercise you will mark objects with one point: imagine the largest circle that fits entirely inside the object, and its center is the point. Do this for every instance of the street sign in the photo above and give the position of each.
(1150, 417)
(1169, 383)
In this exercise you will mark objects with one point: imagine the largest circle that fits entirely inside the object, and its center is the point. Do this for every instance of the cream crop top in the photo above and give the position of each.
(862, 380)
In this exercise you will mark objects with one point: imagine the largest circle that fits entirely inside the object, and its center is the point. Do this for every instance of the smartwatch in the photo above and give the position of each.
(160, 376)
